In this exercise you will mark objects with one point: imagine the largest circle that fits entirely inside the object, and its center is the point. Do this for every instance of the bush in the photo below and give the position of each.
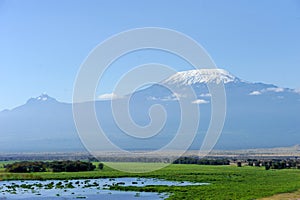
(100, 166)
(239, 164)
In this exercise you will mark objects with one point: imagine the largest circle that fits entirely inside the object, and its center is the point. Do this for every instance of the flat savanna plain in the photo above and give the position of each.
(226, 182)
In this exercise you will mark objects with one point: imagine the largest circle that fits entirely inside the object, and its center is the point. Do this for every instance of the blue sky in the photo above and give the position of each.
(43, 43)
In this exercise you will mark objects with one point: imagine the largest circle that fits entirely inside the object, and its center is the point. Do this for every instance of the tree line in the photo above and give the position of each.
(54, 166)
(275, 163)
(201, 161)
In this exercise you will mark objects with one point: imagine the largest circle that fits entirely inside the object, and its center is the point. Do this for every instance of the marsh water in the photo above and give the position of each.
(83, 189)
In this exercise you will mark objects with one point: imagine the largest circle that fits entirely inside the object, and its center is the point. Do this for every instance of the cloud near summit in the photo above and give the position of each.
(109, 96)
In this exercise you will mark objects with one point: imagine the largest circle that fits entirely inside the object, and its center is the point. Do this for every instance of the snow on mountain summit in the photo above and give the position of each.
(201, 76)
(42, 98)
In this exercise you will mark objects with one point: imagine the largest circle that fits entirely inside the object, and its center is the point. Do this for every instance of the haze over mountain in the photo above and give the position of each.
(258, 116)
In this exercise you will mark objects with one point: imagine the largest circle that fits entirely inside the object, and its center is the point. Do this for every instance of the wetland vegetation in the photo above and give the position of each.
(225, 182)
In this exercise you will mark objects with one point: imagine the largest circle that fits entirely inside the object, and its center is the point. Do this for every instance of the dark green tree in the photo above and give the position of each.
(100, 166)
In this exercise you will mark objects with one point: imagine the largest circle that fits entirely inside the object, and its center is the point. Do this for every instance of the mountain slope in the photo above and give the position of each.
(42, 124)
(258, 115)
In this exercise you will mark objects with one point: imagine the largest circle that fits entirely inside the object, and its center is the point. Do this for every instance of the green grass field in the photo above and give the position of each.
(226, 182)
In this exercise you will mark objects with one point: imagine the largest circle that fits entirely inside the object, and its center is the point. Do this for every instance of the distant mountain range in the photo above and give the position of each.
(258, 116)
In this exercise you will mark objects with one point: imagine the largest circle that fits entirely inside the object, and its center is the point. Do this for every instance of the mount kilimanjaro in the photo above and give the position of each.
(258, 116)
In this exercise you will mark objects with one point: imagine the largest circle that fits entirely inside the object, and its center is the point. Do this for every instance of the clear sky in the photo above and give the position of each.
(43, 43)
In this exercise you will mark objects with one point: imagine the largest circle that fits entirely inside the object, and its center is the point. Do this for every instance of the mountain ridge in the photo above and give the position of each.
(258, 116)
(185, 78)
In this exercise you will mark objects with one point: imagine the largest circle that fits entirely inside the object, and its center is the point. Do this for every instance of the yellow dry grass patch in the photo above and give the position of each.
(285, 196)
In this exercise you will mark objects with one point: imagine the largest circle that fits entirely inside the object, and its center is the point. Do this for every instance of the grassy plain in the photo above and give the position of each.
(226, 182)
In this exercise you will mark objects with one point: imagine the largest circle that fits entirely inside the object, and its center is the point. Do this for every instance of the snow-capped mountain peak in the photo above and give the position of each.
(205, 76)
(42, 98)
